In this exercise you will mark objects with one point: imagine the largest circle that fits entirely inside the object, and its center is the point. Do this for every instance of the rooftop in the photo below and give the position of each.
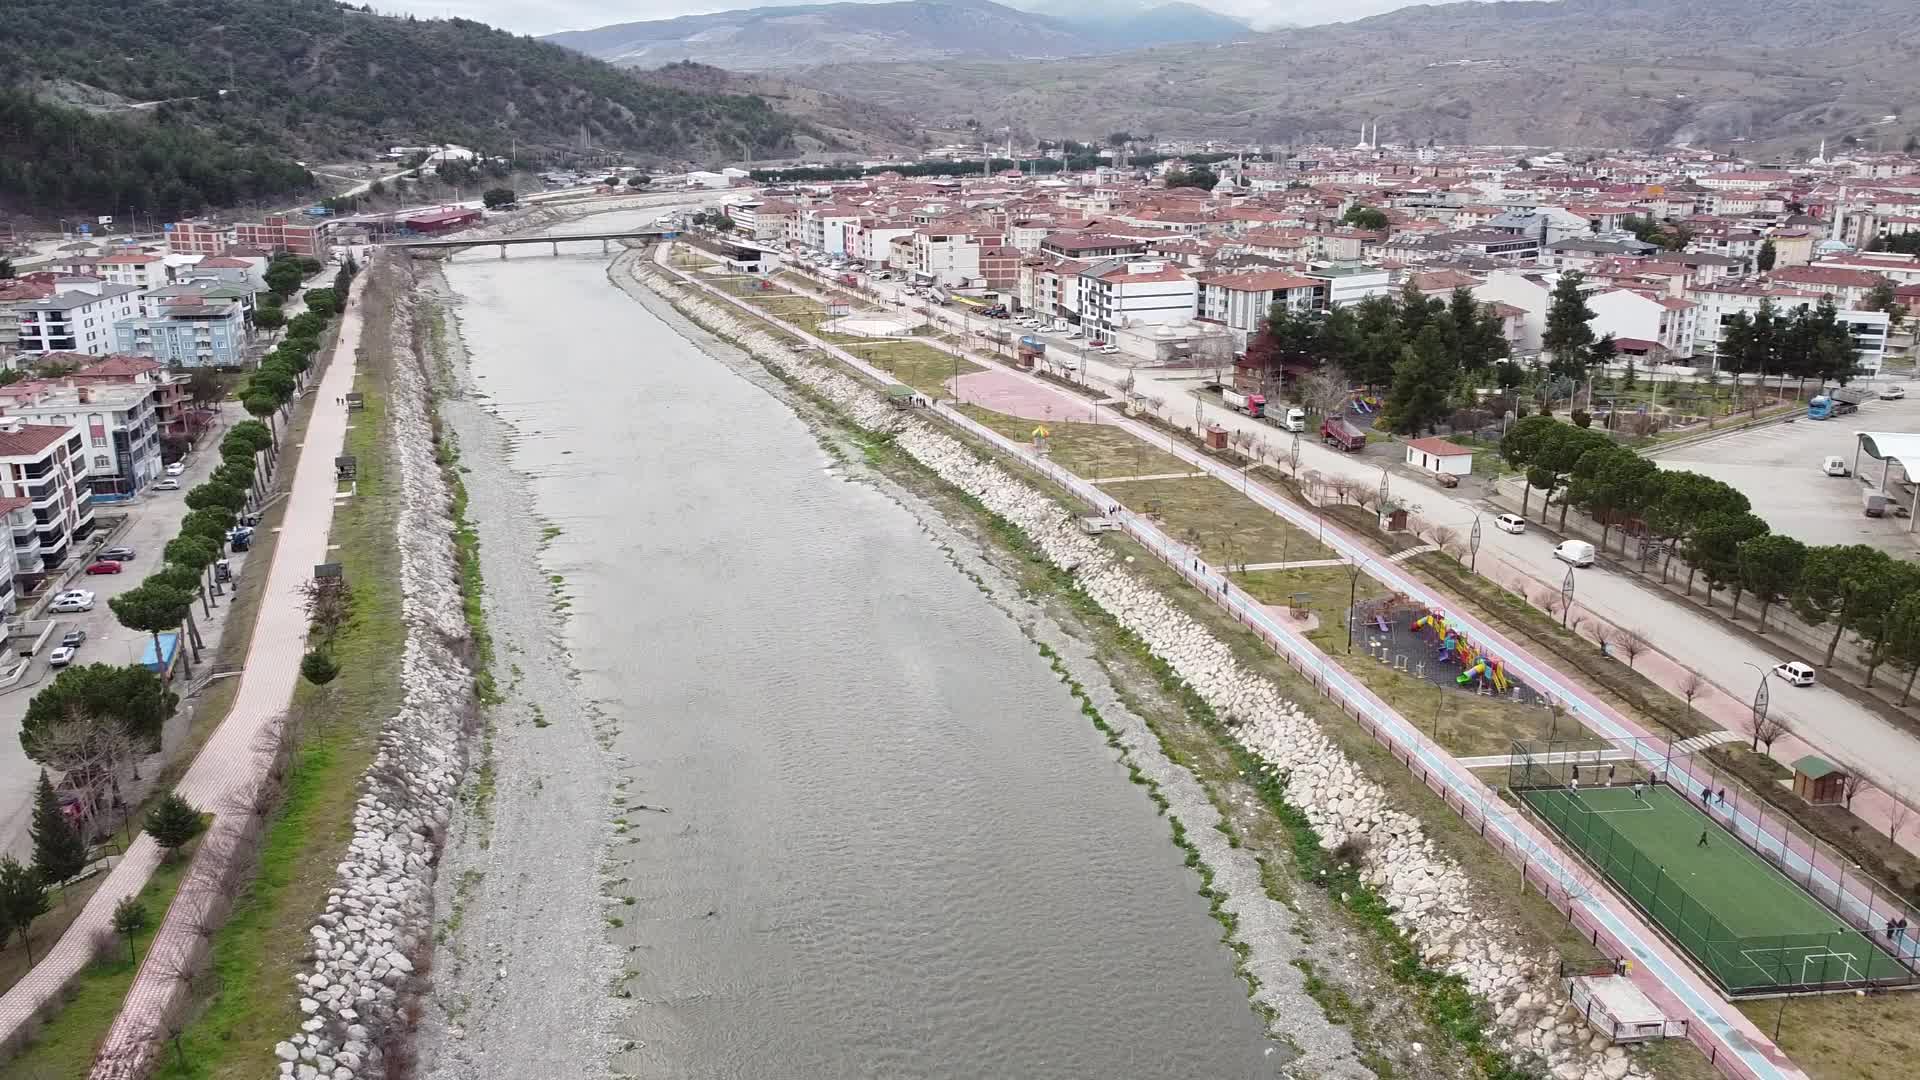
(29, 440)
(1438, 447)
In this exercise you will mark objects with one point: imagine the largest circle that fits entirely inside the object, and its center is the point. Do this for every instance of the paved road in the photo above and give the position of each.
(1832, 723)
(153, 519)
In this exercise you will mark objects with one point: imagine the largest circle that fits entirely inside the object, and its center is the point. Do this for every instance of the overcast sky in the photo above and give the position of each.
(547, 16)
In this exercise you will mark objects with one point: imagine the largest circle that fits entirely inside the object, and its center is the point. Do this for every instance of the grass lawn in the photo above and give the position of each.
(1740, 917)
(1094, 451)
(65, 1045)
(264, 942)
(1227, 524)
(922, 367)
(66, 904)
(1465, 723)
(1843, 1037)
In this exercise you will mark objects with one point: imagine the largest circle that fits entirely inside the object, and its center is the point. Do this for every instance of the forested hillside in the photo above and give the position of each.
(321, 81)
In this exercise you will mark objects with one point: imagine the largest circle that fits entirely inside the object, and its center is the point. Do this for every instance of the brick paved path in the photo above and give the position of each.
(222, 777)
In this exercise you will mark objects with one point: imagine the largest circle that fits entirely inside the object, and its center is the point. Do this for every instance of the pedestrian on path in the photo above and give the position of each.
(1637, 793)
(1610, 769)
(1703, 839)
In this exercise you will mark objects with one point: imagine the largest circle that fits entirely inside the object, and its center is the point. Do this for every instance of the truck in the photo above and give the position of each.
(1251, 404)
(1839, 401)
(1874, 503)
(1294, 420)
(1336, 431)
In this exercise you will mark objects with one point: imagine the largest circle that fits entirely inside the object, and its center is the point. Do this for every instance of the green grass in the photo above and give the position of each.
(1228, 525)
(1095, 451)
(65, 1045)
(265, 940)
(1739, 916)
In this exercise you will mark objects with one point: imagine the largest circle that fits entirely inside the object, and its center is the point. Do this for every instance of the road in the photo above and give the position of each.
(153, 519)
(1830, 722)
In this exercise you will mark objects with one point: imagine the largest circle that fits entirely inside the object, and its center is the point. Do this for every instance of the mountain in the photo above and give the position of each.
(833, 117)
(758, 39)
(315, 80)
(1778, 73)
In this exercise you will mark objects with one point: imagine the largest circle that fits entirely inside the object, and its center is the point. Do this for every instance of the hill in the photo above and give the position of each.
(758, 39)
(317, 80)
(834, 118)
(1778, 73)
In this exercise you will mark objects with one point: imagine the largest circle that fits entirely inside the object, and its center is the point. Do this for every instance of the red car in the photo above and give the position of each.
(104, 568)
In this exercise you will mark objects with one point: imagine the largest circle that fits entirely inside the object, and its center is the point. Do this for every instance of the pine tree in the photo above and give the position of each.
(173, 823)
(1418, 398)
(59, 851)
(1568, 335)
(23, 898)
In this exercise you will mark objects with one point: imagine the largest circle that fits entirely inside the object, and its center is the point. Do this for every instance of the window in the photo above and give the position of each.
(102, 461)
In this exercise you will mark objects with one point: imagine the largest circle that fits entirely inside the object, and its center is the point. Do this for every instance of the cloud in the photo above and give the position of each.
(549, 16)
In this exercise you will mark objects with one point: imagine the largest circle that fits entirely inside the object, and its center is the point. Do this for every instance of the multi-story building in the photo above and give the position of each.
(200, 324)
(174, 412)
(1118, 293)
(1091, 246)
(15, 295)
(80, 318)
(1870, 330)
(946, 255)
(16, 518)
(198, 238)
(45, 465)
(122, 453)
(279, 232)
(135, 268)
(1242, 301)
(1665, 321)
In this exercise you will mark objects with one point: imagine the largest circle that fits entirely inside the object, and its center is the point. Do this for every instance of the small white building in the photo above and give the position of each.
(699, 179)
(1439, 456)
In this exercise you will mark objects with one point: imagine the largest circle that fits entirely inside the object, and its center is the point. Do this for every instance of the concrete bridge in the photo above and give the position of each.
(606, 239)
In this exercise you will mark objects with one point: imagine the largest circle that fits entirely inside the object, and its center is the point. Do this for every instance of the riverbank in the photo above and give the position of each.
(1417, 888)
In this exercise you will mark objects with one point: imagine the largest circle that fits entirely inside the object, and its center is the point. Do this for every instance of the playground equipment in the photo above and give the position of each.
(1476, 667)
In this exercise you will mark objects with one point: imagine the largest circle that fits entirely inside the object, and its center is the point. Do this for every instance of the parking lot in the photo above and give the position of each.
(1778, 468)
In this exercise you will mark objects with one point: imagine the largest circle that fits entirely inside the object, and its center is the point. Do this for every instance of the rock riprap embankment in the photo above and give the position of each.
(1432, 898)
(378, 914)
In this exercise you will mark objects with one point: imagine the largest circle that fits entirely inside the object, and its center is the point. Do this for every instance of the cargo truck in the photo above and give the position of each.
(1335, 431)
(1837, 402)
(1294, 420)
(1251, 404)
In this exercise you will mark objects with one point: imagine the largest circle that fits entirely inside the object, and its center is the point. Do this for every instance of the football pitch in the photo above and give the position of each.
(1740, 918)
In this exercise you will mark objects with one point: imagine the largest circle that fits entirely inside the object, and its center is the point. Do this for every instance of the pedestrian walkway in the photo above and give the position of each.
(1403, 556)
(1703, 742)
(1298, 564)
(1149, 476)
(234, 757)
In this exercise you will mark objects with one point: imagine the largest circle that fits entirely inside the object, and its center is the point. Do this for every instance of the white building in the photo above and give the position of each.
(1718, 305)
(1241, 301)
(122, 452)
(1142, 292)
(946, 256)
(135, 268)
(1666, 321)
(1350, 284)
(78, 319)
(45, 466)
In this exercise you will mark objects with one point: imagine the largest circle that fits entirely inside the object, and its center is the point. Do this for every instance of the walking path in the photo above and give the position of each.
(1150, 476)
(1731, 1041)
(222, 776)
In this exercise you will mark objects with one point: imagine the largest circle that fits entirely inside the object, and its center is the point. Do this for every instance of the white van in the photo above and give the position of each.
(1574, 552)
(1835, 466)
(1510, 523)
(1795, 673)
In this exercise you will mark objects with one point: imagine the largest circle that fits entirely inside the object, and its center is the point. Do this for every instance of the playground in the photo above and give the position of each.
(1419, 641)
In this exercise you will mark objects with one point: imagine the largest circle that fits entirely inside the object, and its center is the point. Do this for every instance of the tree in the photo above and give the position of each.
(498, 198)
(641, 180)
(1418, 397)
(212, 494)
(153, 607)
(320, 299)
(284, 279)
(1905, 640)
(6, 269)
(1633, 643)
(1881, 628)
(1844, 585)
(1768, 254)
(172, 823)
(1766, 729)
(1611, 483)
(1555, 458)
(1713, 548)
(1475, 332)
(1361, 216)
(1524, 442)
(318, 668)
(1377, 340)
(1568, 335)
(1770, 567)
(1882, 298)
(59, 851)
(129, 918)
(129, 695)
(1692, 685)
(23, 898)
(264, 318)
(262, 406)
(1851, 784)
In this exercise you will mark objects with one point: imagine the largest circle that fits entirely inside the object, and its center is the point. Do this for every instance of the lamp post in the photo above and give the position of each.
(1353, 589)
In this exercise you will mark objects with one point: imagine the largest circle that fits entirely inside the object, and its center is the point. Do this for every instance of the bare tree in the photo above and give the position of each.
(1897, 818)
(1342, 487)
(1692, 685)
(1449, 541)
(1633, 643)
(1324, 392)
(1851, 784)
(1765, 729)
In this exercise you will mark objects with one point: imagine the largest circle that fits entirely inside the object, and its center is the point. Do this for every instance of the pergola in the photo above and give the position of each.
(1886, 447)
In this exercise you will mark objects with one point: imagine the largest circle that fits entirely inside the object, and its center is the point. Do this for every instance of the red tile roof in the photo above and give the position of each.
(30, 440)
(1260, 281)
(1438, 447)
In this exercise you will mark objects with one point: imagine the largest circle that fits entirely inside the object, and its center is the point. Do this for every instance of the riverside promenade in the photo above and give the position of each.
(223, 776)
(1730, 1040)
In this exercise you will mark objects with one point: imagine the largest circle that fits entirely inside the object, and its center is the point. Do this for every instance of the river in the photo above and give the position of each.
(892, 845)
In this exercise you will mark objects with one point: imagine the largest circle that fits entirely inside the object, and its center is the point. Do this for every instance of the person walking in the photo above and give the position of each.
(1637, 792)
(1610, 769)
(1703, 839)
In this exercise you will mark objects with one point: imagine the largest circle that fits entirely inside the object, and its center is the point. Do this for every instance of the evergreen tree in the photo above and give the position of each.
(59, 852)
(23, 898)
(173, 823)
(1418, 398)
(1568, 335)
(1765, 260)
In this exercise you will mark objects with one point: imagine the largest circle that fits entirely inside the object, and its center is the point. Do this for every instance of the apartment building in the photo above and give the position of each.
(1848, 287)
(1871, 330)
(135, 268)
(280, 232)
(1119, 293)
(947, 256)
(122, 452)
(1091, 246)
(174, 412)
(45, 466)
(197, 238)
(1241, 301)
(194, 324)
(79, 318)
(1666, 321)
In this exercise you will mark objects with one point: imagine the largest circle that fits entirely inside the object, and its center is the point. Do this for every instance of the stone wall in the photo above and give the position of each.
(377, 919)
(1432, 898)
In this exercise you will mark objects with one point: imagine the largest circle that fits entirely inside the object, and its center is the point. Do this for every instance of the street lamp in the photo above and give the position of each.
(1353, 589)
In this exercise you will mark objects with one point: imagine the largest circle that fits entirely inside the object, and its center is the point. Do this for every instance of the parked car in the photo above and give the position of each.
(1795, 672)
(1574, 552)
(1510, 523)
(104, 566)
(74, 594)
(169, 484)
(60, 657)
(1109, 350)
(68, 605)
(177, 468)
(1835, 466)
(73, 639)
(118, 554)
(1893, 393)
